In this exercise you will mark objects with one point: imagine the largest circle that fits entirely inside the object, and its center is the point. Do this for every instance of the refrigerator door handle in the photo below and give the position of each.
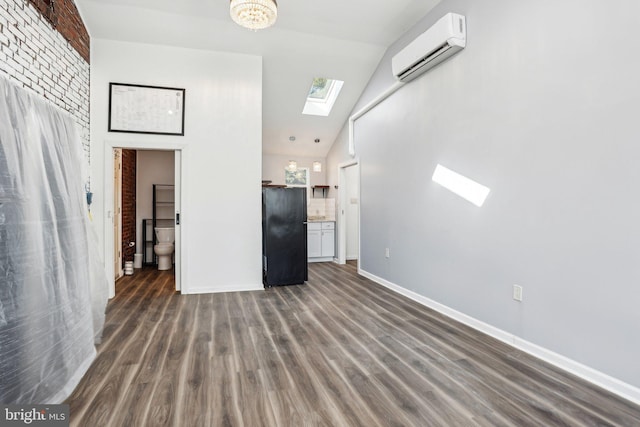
(305, 223)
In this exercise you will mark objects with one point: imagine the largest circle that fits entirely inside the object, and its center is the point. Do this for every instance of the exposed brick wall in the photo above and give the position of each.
(36, 56)
(128, 203)
(64, 17)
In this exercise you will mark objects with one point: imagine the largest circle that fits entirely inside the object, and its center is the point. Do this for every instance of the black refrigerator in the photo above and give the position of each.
(284, 236)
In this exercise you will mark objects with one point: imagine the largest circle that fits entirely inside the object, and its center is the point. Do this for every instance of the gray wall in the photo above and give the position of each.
(543, 108)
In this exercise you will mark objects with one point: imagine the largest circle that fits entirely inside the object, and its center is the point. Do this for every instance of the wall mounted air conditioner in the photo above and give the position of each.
(445, 38)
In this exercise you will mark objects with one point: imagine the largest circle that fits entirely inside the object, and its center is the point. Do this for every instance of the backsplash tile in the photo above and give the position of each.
(324, 209)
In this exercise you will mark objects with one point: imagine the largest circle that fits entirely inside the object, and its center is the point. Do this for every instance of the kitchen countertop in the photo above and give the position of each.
(319, 219)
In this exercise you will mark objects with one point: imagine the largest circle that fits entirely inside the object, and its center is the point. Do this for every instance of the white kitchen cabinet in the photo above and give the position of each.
(321, 241)
(328, 239)
(314, 240)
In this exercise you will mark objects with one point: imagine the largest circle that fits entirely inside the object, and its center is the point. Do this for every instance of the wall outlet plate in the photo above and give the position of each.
(517, 292)
(386, 252)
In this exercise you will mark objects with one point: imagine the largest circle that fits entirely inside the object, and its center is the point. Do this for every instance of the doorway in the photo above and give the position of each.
(155, 181)
(349, 211)
(113, 191)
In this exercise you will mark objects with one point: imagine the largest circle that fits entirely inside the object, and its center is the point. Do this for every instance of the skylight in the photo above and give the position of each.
(322, 96)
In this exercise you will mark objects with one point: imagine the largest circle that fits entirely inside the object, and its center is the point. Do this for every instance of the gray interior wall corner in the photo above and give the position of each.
(527, 111)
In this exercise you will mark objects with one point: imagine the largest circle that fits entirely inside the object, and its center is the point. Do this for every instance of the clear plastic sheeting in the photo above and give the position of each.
(53, 288)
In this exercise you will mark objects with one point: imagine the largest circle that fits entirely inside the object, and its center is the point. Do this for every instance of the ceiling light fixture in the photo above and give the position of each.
(254, 14)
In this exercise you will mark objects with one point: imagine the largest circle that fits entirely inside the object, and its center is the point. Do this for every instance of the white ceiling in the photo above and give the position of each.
(340, 39)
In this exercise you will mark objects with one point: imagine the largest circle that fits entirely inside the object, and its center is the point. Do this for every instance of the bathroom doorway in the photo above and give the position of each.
(349, 211)
(155, 201)
(132, 245)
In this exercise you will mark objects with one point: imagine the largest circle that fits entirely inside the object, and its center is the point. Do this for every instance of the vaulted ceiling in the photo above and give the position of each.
(339, 39)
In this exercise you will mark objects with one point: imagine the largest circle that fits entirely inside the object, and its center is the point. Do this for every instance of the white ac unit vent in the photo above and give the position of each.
(445, 38)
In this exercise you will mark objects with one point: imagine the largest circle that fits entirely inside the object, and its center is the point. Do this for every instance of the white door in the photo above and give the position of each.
(178, 218)
(117, 212)
(348, 232)
(352, 209)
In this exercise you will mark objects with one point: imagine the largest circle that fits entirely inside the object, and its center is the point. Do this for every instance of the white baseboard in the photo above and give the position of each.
(320, 259)
(218, 290)
(607, 382)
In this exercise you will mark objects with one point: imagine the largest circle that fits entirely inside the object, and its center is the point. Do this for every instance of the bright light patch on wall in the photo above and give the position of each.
(322, 96)
(461, 185)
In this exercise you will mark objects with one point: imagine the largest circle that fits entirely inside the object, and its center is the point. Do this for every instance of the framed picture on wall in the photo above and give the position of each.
(296, 178)
(146, 109)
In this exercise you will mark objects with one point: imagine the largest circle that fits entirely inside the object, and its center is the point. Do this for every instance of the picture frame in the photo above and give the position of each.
(296, 178)
(135, 108)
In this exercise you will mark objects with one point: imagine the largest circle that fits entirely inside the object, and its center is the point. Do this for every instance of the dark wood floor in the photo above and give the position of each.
(339, 351)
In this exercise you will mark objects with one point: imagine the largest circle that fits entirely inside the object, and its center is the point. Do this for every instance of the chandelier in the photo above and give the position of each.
(254, 14)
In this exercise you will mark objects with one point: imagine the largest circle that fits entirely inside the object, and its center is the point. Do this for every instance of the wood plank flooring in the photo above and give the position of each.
(338, 351)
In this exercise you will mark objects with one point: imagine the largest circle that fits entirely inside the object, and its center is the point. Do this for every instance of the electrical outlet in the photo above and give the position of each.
(517, 292)
(386, 252)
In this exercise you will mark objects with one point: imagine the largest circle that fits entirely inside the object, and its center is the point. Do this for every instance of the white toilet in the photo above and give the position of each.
(164, 248)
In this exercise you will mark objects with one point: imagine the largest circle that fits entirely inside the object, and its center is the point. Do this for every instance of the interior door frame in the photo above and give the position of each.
(118, 271)
(180, 150)
(342, 217)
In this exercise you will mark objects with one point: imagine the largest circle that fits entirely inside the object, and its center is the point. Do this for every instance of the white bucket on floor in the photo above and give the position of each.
(137, 261)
